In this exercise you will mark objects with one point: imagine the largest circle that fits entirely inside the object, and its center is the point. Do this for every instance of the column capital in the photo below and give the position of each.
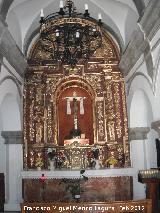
(138, 133)
(156, 126)
(12, 137)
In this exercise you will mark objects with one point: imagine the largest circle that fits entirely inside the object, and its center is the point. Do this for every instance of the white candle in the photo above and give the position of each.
(61, 4)
(124, 144)
(44, 100)
(57, 33)
(86, 6)
(99, 16)
(42, 13)
(26, 150)
(77, 34)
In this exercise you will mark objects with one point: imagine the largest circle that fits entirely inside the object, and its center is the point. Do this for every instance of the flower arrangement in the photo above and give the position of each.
(58, 157)
(39, 161)
(92, 156)
(51, 152)
(74, 185)
(112, 161)
(95, 152)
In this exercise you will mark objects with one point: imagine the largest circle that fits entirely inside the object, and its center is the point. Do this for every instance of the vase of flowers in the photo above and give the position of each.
(97, 164)
(95, 153)
(51, 152)
(112, 162)
(52, 165)
(74, 185)
(39, 162)
(92, 157)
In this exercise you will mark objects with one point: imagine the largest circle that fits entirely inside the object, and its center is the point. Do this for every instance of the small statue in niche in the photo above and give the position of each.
(38, 130)
(121, 156)
(111, 130)
(31, 158)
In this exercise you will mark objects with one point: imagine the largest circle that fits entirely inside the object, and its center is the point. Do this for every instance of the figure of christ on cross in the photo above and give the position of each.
(75, 132)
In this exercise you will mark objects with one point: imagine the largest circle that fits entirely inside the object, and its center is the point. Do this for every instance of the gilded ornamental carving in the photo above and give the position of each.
(102, 80)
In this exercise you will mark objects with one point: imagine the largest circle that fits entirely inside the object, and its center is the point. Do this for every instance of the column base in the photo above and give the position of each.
(12, 207)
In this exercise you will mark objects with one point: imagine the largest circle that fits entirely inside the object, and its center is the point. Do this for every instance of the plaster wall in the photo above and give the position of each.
(143, 103)
(137, 148)
(10, 120)
(14, 29)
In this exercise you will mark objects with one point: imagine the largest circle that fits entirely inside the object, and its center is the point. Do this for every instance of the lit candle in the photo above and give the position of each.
(57, 33)
(99, 16)
(26, 150)
(86, 6)
(124, 144)
(42, 13)
(77, 34)
(61, 4)
(44, 100)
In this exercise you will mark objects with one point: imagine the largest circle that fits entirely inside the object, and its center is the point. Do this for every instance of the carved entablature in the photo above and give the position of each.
(104, 122)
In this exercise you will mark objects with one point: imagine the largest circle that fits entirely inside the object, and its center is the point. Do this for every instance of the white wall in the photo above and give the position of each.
(10, 155)
(140, 110)
(143, 103)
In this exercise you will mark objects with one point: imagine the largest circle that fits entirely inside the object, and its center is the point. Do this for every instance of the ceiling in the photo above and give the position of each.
(120, 17)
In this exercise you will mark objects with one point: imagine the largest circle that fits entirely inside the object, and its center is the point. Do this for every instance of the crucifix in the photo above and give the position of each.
(75, 100)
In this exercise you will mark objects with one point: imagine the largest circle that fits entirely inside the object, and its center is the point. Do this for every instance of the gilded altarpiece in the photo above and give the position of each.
(102, 80)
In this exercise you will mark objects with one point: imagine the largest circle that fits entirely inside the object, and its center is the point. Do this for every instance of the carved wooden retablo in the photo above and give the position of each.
(51, 111)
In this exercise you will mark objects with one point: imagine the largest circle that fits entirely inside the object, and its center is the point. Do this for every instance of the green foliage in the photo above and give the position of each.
(74, 185)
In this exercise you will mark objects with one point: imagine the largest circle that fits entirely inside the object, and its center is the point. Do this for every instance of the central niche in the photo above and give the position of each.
(75, 109)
